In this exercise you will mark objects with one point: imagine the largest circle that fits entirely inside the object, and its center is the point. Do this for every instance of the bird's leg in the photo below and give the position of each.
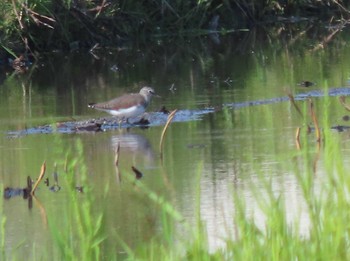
(120, 122)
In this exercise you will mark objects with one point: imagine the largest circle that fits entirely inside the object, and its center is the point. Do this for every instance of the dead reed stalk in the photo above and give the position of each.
(42, 173)
(292, 100)
(297, 138)
(116, 163)
(314, 119)
(170, 118)
(116, 157)
(342, 101)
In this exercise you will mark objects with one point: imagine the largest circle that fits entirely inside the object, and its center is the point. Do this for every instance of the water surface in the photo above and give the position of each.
(227, 148)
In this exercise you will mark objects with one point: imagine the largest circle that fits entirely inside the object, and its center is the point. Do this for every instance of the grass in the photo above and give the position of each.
(43, 25)
(81, 233)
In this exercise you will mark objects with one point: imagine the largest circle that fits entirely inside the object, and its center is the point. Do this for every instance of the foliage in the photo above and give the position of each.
(70, 24)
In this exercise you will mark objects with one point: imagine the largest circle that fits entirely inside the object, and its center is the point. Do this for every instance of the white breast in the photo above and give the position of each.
(128, 112)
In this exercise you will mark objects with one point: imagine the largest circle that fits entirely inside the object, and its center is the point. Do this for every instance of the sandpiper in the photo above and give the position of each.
(128, 105)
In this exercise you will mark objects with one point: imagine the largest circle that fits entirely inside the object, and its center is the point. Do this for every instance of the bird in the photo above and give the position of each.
(128, 105)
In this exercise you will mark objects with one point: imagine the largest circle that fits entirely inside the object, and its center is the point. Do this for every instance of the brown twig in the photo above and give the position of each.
(116, 162)
(328, 38)
(170, 118)
(35, 16)
(19, 19)
(314, 119)
(316, 159)
(138, 174)
(98, 9)
(341, 7)
(297, 138)
(29, 185)
(42, 211)
(342, 101)
(42, 173)
(116, 158)
(292, 100)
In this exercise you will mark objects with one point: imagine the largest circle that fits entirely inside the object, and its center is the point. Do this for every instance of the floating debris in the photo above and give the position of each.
(138, 173)
(172, 88)
(340, 128)
(94, 127)
(55, 188)
(346, 118)
(114, 68)
(109, 123)
(142, 121)
(80, 189)
(306, 83)
(14, 192)
(163, 110)
(228, 81)
(91, 51)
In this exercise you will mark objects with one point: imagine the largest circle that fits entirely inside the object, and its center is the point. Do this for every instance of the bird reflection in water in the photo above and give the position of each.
(132, 146)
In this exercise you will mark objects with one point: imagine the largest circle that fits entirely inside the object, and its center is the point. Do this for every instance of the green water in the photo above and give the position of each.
(229, 148)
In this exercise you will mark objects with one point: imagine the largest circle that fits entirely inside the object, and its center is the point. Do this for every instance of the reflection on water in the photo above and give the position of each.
(218, 210)
(238, 146)
(134, 146)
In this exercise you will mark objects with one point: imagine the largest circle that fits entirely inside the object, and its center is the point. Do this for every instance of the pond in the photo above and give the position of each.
(212, 149)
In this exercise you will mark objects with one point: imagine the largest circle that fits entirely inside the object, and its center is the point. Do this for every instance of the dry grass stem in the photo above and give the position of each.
(170, 118)
(116, 163)
(19, 18)
(317, 158)
(116, 158)
(297, 138)
(138, 174)
(42, 211)
(314, 119)
(35, 16)
(292, 100)
(342, 101)
(42, 173)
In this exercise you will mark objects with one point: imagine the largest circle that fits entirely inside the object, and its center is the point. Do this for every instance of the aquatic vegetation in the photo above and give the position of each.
(82, 234)
(79, 226)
